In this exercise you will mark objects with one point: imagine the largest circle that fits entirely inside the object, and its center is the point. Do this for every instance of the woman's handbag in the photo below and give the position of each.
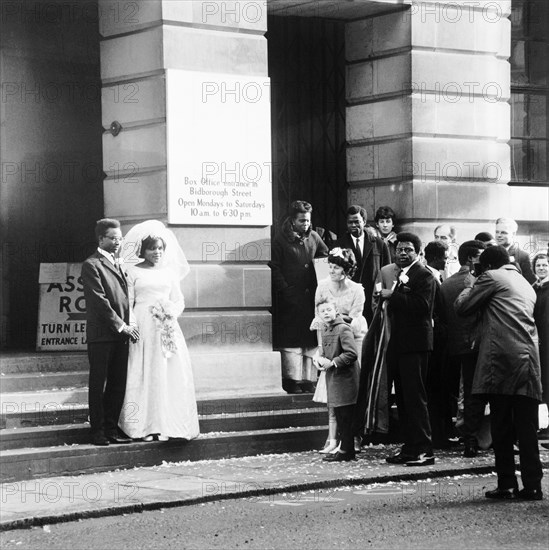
(543, 417)
(321, 393)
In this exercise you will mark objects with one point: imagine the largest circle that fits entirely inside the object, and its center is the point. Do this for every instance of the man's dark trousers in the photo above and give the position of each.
(473, 405)
(410, 374)
(515, 416)
(108, 372)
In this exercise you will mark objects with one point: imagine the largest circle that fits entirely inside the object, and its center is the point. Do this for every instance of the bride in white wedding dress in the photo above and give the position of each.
(160, 398)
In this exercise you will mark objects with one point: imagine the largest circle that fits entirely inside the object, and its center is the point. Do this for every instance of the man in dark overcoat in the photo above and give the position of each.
(292, 264)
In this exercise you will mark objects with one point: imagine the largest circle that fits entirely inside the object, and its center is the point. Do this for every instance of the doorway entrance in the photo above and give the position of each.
(307, 71)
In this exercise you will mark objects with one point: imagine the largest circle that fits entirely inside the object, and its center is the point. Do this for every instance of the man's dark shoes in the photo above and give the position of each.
(399, 458)
(530, 494)
(100, 441)
(339, 457)
(501, 494)
(307, 386)
(118, 439)
(291, 386)
(423, 459)
(471, 450)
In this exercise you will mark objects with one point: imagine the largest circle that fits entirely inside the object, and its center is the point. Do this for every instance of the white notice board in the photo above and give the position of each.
(219, 149)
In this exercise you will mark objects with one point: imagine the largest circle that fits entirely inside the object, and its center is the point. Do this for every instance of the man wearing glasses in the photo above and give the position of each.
(109, 330)
(410, 309)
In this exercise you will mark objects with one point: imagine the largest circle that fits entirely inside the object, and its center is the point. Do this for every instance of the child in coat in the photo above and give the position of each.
(339, 360)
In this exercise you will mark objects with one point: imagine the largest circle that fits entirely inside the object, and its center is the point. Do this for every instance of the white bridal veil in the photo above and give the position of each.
(173, 258)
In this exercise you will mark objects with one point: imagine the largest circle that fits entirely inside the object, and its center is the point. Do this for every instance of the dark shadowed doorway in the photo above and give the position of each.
(307, 71)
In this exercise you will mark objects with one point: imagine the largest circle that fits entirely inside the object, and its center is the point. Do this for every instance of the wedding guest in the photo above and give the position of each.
(541, 315)
(436, 258)
(410, 307)
(349, 299)
(371, 253)
(506, 232)
(463, 343)
(339, 360)
(160, 399)
(385, 221)
(348, 295)
(447, 235)
(507, 369)
(486, 238)
(109, 329)
(442, 380)
(294, 284)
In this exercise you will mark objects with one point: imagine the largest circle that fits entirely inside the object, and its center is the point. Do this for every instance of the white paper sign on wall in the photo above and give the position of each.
(219, 149)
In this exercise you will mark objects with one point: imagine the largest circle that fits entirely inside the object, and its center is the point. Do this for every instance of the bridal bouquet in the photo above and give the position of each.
(165, 323)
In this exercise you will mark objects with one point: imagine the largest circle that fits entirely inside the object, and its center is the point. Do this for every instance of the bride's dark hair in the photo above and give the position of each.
(148, 242)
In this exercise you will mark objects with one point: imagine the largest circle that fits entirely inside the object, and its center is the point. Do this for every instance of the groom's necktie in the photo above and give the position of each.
(115, 263)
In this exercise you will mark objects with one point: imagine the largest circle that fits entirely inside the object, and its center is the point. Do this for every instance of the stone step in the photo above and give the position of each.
(40, 381)
(38, 401)
(221, 372)
(33, 463)
(70, 434)
(16, 418)
(71, 407)
(43, 362)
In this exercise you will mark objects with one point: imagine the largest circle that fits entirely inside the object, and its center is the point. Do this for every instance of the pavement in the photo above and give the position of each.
(59, 499)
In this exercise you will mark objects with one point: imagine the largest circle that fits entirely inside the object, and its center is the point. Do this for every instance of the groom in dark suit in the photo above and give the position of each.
(109, 330)
(410, 308)
(371, 254)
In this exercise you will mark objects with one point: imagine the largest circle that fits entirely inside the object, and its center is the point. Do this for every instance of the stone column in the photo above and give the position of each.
(428, 122)
(226, 323)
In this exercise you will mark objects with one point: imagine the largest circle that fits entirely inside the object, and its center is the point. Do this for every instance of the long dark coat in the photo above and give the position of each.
(521, 259)
(338, 344)
(294, 286)
(508, 362)
(541, 315)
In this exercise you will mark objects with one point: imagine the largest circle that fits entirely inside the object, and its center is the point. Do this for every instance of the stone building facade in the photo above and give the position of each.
(437, 109)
